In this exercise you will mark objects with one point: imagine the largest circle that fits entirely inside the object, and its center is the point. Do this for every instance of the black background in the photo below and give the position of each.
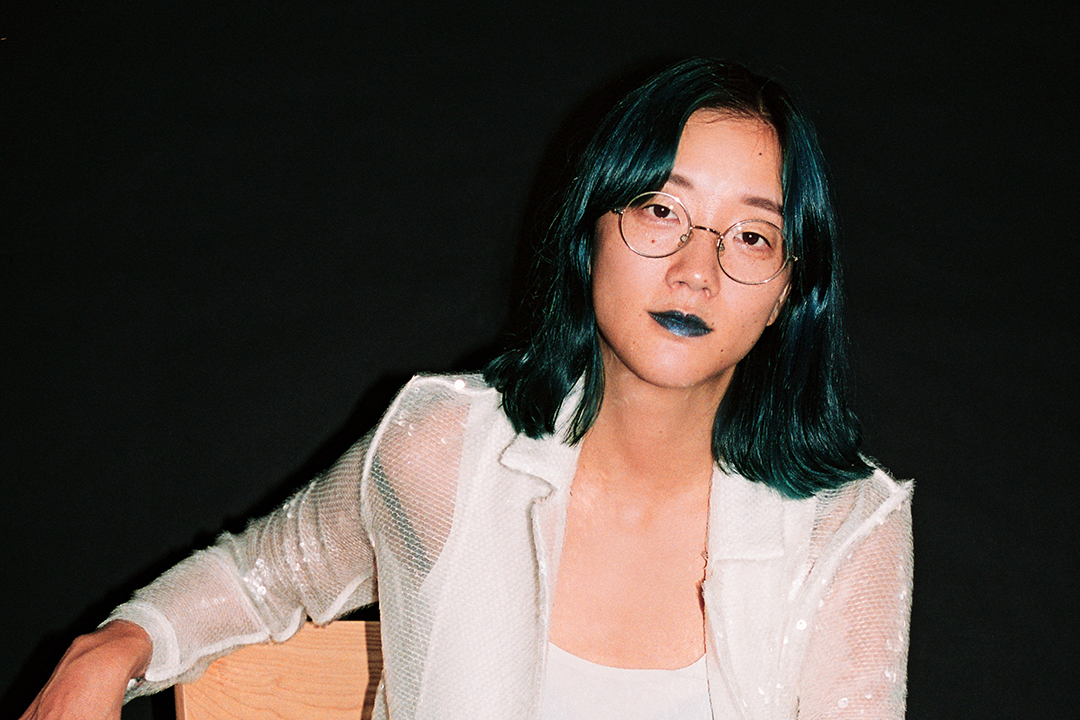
(231, 229)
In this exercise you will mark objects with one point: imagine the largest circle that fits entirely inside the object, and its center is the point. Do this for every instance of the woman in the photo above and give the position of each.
(654, 507)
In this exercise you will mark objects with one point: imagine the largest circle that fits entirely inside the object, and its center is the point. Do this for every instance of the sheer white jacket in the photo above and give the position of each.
(454, 524)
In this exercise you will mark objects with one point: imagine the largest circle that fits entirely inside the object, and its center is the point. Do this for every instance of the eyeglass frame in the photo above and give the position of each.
(685, 238)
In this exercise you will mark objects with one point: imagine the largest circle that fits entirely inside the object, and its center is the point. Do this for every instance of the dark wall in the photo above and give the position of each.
(230, 230)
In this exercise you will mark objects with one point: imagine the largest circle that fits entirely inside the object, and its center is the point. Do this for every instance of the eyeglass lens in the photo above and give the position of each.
(657, 225)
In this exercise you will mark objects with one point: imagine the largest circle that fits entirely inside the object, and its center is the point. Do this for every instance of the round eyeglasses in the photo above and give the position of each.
(656, 224)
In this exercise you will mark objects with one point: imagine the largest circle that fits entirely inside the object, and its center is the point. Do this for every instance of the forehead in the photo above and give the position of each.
(734, 120)
(724, 156)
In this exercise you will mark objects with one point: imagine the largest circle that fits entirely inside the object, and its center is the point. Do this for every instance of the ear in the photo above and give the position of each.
(779, 303)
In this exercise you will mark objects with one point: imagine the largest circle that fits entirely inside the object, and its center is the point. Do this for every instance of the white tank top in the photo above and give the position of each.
(576, 689)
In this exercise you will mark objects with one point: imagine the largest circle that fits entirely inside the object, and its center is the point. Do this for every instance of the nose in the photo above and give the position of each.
(696, 265)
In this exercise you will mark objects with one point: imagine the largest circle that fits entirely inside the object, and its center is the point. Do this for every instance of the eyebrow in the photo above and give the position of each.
(762, 203)
(677, 179)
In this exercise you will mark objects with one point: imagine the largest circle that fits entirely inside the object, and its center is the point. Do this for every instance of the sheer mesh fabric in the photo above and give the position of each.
(310, 557)
(427, 602)
(856, 661)
(806, 602)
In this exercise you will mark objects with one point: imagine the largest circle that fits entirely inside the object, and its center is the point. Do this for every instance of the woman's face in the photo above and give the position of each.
(727, 169)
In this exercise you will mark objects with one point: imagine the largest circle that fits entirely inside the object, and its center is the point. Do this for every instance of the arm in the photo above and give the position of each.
(310, 557)
(856, 663)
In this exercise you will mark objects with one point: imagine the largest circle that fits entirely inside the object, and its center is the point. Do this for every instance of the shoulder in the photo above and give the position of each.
(435, 400)
(436, 413)
(879, 495)
(435, 391)
(874, 510)
(874, 495)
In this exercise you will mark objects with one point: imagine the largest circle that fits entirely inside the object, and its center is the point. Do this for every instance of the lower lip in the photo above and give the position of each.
(681, 325)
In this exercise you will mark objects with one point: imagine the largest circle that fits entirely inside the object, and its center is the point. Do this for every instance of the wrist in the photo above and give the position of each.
(127, 646)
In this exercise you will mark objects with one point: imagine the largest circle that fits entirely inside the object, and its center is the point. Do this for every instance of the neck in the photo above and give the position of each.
(652, 440)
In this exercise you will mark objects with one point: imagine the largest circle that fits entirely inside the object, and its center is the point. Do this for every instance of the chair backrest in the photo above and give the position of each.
(322, 673)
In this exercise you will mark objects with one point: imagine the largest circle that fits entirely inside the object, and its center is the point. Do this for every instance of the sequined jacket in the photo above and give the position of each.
(454, 524)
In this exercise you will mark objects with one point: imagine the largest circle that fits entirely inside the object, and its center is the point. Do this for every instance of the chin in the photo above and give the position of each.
(664, 366)
(680, 377)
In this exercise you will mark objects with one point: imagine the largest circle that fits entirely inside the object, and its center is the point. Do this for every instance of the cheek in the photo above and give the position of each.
(748, 313)
(618, 281)
(611, 295)
(763, 310)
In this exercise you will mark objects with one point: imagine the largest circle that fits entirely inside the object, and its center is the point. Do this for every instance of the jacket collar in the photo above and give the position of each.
(746, 519)
(549, 458)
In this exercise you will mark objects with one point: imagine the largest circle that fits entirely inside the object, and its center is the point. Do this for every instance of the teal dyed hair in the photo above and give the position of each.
(785, 419)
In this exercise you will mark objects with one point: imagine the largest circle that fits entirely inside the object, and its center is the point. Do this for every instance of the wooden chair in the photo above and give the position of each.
(327, 673)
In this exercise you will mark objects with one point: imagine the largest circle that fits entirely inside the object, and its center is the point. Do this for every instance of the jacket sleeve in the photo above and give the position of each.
(312, 557)
(856, 663)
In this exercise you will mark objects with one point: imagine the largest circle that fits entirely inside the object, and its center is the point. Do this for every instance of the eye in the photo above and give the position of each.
(660, 211)
(654, 224)
(752, 239)
(654, 213)
(754, 236)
